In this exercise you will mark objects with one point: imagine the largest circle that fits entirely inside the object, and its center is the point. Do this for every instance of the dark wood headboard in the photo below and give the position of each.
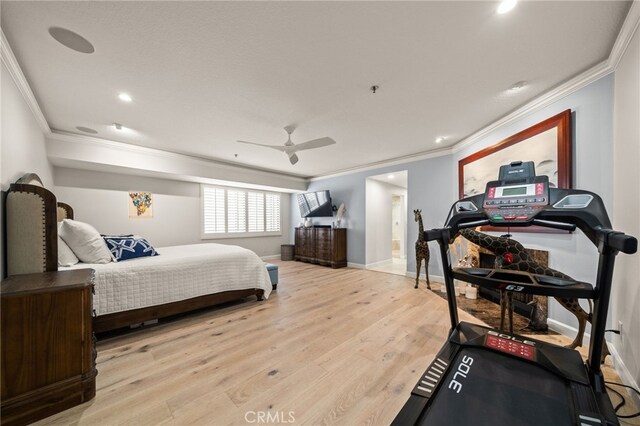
(32, 214)
(64, 211)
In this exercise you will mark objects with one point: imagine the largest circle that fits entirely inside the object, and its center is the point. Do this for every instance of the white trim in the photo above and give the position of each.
(91, 153)
(439, 279)
(625, 374)
(378, 264)
(63, 136)
(629, 27)
(386, 163)
(355, 265)
(271, 256)
(10, 61)
(561, 91)
(232, 235)
(567, 330)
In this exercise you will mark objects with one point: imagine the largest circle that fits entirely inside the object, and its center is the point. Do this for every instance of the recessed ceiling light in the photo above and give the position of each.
(515, 87)
(390, 176)
(439, 139)
(506, 5)
(87, 130)
(118, 126)
(124, 97)
(71, 40)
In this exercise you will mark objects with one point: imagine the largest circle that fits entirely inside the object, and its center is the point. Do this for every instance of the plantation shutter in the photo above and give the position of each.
(255, 211)
(213, 201)
(236, 211)
(272, 212)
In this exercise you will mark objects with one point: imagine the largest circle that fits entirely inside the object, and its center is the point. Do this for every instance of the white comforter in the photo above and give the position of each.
(178, 273)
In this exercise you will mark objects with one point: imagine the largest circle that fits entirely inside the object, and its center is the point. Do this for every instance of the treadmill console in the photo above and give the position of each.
(517, 196)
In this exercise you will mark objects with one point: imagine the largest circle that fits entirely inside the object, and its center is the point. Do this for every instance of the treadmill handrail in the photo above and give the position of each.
(553, 224)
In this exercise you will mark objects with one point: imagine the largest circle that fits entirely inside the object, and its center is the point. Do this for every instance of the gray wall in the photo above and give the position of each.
(101, 200)
(22, 146)
(428, 189)
(625, 297)
(433, 187)
(592, 129)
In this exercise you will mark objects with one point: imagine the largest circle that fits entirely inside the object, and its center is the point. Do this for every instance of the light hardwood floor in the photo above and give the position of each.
(330, 346)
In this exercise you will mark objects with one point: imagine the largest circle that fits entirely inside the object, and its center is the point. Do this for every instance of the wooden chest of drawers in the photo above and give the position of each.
(48, 346)
(324, 246)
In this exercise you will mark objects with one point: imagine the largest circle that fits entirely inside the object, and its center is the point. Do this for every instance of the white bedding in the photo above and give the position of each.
(178, 273)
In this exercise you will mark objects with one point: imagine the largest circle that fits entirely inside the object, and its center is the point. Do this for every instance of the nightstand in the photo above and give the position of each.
(48, 346)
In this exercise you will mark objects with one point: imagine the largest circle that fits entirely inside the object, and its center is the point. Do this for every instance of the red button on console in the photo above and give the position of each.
(522, 217)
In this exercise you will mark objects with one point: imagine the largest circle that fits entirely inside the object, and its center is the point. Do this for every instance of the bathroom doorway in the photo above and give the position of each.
(386, 222)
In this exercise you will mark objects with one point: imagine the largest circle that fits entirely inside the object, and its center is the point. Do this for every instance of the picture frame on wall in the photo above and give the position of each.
(547, 144)
(140, 205)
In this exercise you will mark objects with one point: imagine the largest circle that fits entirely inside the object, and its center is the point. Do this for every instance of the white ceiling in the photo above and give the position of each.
(204, 74)
(399, 179)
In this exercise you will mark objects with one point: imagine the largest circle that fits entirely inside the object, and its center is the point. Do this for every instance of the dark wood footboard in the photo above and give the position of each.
(135, 316)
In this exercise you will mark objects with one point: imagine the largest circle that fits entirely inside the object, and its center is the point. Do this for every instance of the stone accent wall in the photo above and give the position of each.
(539, 256)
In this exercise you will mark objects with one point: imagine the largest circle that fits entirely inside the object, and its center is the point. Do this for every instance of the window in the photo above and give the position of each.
(233, 212)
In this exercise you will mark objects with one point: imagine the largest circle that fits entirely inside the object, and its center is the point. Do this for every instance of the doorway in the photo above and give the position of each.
(386, 223)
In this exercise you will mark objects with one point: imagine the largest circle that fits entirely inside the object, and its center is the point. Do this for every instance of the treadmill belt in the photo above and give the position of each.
(498, 390)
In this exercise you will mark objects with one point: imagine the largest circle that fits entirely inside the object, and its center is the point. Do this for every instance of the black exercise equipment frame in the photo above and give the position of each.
(593, 222)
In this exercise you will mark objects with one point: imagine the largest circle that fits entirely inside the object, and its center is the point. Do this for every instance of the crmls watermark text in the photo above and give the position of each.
(269, 417)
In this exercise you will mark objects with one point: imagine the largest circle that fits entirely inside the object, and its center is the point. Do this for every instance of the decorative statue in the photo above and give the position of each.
(513, 256)
(422, 250)
(341, 211)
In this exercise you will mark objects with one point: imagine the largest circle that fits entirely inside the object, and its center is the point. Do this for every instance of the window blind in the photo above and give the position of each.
(239, 211)
(214, 211)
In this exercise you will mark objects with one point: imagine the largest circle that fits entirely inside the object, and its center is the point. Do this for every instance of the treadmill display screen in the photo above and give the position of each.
(511, 347)
(517, 190)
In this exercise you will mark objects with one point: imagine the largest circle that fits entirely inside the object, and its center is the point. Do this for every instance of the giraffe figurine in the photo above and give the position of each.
(515, 257)
(422, 249)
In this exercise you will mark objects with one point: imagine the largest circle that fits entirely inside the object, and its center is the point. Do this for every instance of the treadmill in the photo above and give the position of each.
(485, 377)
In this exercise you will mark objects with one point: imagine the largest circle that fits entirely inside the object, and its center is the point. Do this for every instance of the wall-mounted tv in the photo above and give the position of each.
(315, 204)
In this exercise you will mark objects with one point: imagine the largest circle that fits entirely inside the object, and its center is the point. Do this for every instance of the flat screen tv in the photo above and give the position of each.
(315, 204)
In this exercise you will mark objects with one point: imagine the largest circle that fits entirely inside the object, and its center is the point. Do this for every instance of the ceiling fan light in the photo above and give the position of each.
(293, 158)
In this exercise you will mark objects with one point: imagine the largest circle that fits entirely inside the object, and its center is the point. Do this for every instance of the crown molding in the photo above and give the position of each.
(70, 149)
(600, 70)
(385, 163)
(559, 92)
(10, 61)
(629, 27)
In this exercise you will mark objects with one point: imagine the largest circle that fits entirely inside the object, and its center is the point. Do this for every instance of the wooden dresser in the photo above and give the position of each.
(48, 346)
(324, 246)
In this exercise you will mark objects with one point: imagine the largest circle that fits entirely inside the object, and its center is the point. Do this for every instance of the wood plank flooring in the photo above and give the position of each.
(340, 346)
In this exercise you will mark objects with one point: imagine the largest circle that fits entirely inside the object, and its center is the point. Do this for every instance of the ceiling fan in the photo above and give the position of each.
(290, 148)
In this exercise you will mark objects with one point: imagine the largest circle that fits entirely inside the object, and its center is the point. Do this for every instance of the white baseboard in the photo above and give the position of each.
(378, 264)
(271, 256)
(355, 265)
(625, 375)
(436, 278)
(567, 330)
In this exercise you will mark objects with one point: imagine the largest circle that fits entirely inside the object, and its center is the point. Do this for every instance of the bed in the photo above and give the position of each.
(180, 279)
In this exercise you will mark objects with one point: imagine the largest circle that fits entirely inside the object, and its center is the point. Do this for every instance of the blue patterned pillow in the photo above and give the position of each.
(126, 248)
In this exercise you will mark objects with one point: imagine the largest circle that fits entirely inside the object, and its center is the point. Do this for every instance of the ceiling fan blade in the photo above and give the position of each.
(279, 148)
(316, 143)
(293, 158)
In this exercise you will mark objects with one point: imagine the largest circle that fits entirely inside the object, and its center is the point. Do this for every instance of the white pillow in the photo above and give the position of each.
(85, 241)
(65, 254)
